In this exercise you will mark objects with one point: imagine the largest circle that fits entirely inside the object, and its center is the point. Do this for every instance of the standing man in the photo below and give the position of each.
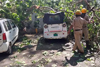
(85, 28)
(77, 25)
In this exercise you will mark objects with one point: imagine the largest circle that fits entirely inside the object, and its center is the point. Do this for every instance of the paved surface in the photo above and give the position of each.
(48, 53)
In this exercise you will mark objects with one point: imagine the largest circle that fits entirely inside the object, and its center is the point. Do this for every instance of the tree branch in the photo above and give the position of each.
(92, 9)
(41, 8)
(96, 15)
(31, 8)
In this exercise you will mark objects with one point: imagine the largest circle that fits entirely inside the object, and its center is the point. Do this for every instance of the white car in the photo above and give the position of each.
(8, 35)
(54, 27)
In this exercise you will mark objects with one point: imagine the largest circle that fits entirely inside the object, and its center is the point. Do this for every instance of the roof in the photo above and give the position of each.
(54, 13)
(4, 19)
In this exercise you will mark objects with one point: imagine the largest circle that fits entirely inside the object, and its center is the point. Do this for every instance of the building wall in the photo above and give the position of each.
(30, 25)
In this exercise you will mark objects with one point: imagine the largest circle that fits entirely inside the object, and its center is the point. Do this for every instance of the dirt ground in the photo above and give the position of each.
(33, 51)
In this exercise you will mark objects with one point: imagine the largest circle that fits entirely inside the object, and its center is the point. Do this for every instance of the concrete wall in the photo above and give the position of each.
(30, 25)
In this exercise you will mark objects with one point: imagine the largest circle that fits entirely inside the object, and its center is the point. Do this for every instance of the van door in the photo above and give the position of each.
(55, 27)
(1, 40)
(13, 29)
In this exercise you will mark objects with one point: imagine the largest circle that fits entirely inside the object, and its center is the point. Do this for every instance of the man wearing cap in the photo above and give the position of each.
(85, 28)
(77, 25)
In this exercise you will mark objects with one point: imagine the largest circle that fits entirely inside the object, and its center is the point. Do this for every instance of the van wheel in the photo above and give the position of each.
(9, 51)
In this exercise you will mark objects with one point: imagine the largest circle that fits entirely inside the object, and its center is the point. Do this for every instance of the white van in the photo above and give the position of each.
(54, 27)
(8, 35)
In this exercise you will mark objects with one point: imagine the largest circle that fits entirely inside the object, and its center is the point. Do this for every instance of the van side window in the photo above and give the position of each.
(12, 24)
(8, 25)
(5, 26)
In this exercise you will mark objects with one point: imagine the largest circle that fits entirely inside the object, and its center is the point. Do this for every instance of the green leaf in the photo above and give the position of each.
(52, 11)
(34, 61)
(81, 6)
(72, 30)
(58, 53)
(71, 0)
(88, 59)
(15, 56)
(45, 53)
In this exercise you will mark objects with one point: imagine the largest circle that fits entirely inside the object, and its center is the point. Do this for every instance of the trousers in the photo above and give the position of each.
(86, 33)
(78, 35)
(86, 37)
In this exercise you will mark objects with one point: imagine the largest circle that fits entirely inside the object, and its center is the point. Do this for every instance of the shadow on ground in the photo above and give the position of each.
(16, 48)
(50, 44)
(76, 58)
(3, 55)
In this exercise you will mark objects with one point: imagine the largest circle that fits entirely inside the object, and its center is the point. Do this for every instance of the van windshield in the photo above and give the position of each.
(56, 18)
